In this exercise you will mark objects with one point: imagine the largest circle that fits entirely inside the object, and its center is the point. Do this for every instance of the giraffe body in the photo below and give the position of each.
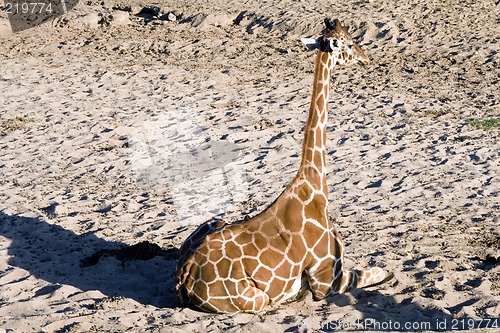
(291, 245)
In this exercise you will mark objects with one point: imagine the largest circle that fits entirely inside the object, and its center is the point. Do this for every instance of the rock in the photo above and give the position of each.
(170, 16)
(150, 10)
(203, 21)
(86, 21)
(119, 18)
(132, 9)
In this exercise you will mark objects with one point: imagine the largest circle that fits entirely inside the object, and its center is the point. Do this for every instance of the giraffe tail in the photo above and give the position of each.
(363, 278)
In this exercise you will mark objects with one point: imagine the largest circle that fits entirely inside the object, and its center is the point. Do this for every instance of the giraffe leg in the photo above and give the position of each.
(251, 299)
(320, 278)
(362, 278)
(226, 295)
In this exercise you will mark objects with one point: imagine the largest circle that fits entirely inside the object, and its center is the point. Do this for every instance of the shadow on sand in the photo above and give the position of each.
(54, 254)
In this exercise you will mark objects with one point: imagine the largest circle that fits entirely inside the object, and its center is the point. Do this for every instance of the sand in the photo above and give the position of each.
(117, 129)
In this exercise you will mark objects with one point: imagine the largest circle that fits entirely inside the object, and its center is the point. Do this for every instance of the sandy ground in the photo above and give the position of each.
(117, 129)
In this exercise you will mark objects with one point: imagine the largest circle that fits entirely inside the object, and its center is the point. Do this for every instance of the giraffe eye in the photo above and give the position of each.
(333, 43)
(350, 45)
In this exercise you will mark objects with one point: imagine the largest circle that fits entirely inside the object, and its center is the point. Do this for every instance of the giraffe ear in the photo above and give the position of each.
(311, 43)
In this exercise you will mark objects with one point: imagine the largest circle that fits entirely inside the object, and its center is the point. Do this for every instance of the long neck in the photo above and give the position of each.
(312, 166)
(307, 194)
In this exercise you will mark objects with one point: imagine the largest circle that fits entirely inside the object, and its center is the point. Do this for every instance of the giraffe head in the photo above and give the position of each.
(339, 43)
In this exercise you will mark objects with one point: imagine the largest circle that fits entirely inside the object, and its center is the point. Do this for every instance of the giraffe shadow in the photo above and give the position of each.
(87, 262)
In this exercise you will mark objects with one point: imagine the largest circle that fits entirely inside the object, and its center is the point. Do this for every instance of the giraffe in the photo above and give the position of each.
(291, 246)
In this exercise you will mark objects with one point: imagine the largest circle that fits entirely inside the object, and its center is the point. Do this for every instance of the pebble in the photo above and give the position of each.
(203, 22)
(86, 21)
(131, 9)
(150, 10)
(171, 17)
(120, 18)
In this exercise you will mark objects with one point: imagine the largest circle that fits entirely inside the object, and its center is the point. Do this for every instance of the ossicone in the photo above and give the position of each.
(331, 25)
